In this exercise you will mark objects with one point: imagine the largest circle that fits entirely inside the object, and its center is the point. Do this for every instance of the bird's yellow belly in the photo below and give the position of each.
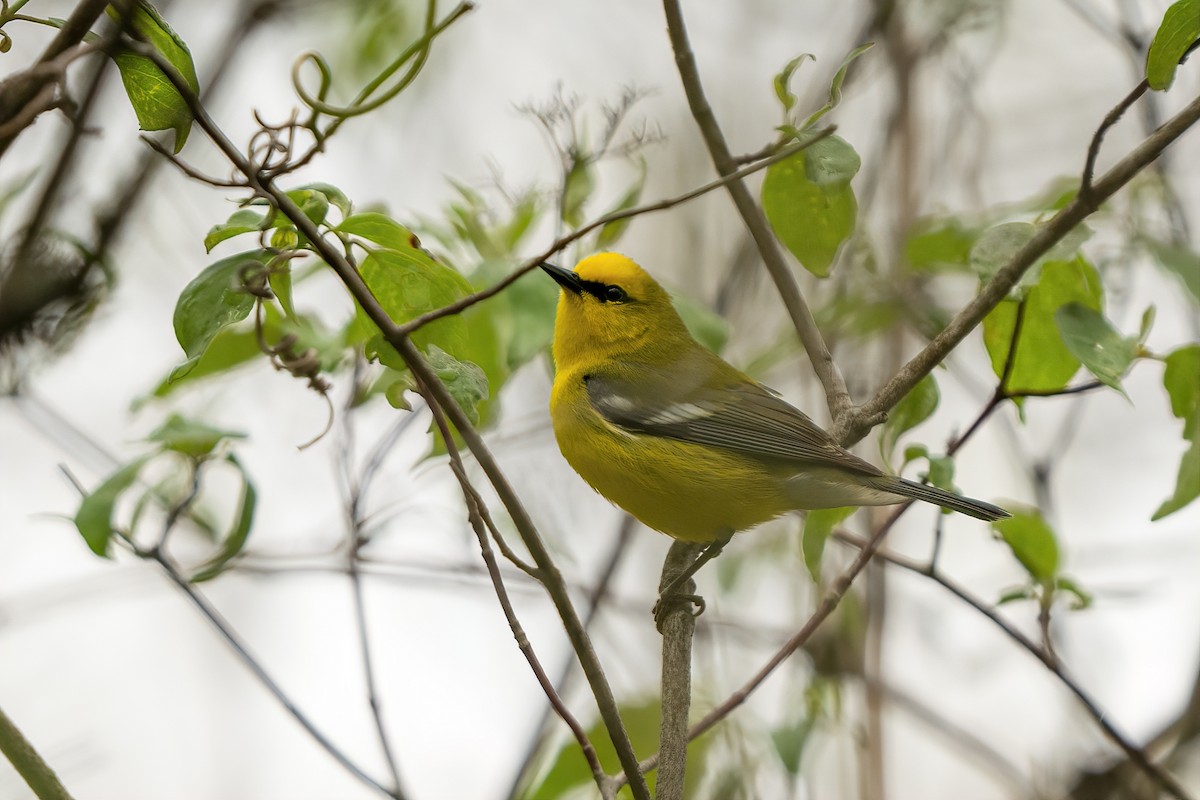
(687, 491)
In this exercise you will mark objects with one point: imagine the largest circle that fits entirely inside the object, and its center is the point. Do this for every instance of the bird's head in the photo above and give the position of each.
(609, 308)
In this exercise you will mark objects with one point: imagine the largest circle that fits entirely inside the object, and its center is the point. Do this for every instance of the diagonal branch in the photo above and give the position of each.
(860, 420)
(1042, 654)
(836, 395)
(436, 392)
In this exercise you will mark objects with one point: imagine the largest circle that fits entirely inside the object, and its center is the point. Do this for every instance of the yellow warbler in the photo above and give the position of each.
(681, 439)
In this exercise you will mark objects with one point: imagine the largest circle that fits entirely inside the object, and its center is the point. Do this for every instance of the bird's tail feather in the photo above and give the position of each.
(939, 497)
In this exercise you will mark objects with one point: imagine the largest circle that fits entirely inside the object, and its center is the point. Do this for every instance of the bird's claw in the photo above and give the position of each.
(668, 603)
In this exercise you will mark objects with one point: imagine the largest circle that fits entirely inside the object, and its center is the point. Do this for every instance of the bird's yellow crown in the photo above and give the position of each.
(613, 308)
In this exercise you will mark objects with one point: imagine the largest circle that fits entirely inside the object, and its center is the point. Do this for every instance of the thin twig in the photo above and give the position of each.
(597, 593)
(474, 508)
(563, 241)
(1135, 754)
(1110, 119)
(836, 395)
(239, 648)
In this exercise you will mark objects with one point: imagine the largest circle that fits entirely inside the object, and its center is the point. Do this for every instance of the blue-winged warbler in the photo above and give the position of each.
(679, 438)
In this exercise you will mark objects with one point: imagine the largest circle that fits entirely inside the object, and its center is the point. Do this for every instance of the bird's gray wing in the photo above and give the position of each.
(699, 401)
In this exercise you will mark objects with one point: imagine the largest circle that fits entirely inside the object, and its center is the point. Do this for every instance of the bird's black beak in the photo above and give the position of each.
(563, 277)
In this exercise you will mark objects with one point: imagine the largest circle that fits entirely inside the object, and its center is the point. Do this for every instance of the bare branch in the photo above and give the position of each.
(1048, 659)
(836, 395)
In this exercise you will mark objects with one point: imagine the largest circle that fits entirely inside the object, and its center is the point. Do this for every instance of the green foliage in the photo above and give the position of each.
(1096, 343)
(705, 325)
(466, 382)
(190, 437)
(1179, 30)
(934, 245)
(941, 467)
(94, 517)
(234, 541)
(913, 409)
(1181, 261)
(191, 441)
(569, 770)
(1042, 362)
(997, 246)
(156, 102)
(1032, 542)
(243, 220)
(213, 300)
(810, 203)
(818, 525)
(1181, 378)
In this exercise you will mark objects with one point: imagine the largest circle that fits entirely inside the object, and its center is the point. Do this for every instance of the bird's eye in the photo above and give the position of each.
(615, 294)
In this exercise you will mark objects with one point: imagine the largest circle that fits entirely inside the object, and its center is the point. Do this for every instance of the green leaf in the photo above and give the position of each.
(835, 86)
(313, 203)
(1181, 378)
(1033, 543)
(1042, 361)
(1094, 341)
(230, 348)
(577, 188)
(380, 229)
(784, 78)
(235, 540)
(1015, 594)
(1181, 261)
(466, 382)
(831, 162)
(189, 437)
(706, 326)
(156, 102)
(241, 221)
(996, 247)
(1082, 597)
(408, 283)
(332, 194)
(913, 409)
(1187, 482)
(1180, 28)
(939, 244)
(790, 740)
(817, 527)
(812, 219)
(570, 770)
(214, 299)
(94, 517)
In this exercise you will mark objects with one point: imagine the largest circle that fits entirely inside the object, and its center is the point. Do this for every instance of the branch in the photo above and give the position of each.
(19, 90)
(1048, 659)
(36, 773)
(678, 626)
(860, 420)
(436, 392)
(836, 395)
(475, 513)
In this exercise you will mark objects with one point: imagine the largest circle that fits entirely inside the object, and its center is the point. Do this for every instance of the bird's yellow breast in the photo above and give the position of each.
(687, 491)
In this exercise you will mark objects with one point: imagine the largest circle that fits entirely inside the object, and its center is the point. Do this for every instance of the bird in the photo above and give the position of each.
(679, 438)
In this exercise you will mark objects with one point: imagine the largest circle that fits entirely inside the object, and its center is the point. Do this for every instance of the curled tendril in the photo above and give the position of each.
(271, 148)
(418, 49)
(254, 277)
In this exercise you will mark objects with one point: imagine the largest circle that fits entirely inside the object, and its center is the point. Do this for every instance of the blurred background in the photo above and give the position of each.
(972, 111)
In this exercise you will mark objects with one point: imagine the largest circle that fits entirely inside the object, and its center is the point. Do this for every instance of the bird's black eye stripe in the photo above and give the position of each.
(605, 292)
(615, 294)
